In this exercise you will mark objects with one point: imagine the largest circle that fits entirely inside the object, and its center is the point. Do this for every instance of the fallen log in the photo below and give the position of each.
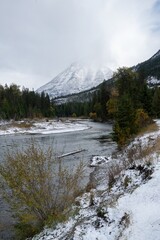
(72, 153)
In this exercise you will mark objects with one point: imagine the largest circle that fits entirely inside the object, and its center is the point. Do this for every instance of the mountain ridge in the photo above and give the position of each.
(76, 78)
(149, 70)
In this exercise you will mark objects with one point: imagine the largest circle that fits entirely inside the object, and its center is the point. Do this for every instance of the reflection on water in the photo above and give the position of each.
(95, 141)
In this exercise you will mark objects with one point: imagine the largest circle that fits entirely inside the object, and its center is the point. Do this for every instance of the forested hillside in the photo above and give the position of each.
(93, 105)
(151, 67)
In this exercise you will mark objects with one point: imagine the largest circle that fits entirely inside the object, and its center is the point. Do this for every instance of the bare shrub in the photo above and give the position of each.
(112, 173)
(125, 220)
(153, 127)
(90, 185)
(38, 188)
(127, 181)
(140, 154)
(133, 156)
(124, 223)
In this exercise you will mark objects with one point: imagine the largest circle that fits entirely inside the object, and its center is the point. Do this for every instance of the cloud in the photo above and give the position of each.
(26, 80)
(39, 38)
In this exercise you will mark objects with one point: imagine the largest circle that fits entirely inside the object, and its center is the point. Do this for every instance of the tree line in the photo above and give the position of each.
(17, 104)
(94, 106)
(130, 103)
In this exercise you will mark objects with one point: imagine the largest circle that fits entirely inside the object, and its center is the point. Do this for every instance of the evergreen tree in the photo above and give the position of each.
(129, 105)
(125, 117)
(156, 102)
(16, 104)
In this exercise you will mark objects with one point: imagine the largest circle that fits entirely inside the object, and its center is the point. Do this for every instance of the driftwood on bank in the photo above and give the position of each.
(71, 153)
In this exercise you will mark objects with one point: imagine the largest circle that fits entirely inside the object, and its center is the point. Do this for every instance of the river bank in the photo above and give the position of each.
(123, 201)
(61, 143)
(43, 126)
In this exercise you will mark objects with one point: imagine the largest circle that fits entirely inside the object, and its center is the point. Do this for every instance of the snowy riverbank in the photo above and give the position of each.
(124, 202)
(61, 143)
(40, 127)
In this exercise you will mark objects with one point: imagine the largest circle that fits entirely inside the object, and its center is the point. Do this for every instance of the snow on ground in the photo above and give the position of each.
(40, 127)
(144, 209)
(98, 160)
(153, 81)
(123, 208)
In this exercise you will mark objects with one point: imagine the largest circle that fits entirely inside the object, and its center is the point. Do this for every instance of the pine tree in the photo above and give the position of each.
(131, 99)
(156, 102)
(125, 117)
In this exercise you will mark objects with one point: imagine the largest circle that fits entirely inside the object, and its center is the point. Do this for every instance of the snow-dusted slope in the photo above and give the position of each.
(77, 78)
(129, 209)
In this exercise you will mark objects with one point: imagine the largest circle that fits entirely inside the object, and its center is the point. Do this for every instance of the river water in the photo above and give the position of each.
(95, 141)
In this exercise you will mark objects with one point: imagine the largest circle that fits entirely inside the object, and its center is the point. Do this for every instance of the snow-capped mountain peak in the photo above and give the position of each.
(77, 78)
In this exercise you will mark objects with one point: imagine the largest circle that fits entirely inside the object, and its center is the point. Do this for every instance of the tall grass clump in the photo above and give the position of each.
(38, 188)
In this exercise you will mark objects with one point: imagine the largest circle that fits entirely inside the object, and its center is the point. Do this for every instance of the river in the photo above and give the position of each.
(95, 141)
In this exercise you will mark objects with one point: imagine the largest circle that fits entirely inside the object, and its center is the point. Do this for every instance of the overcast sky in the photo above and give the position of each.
(40, 38)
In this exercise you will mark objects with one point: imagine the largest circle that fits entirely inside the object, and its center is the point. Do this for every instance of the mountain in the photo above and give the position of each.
(85, 96)
(79, 82)
(77, 78)
(150, 70)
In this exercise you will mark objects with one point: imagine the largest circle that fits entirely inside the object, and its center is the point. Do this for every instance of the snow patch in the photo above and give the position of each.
(153, 81)
(43, 127)
(98, 160)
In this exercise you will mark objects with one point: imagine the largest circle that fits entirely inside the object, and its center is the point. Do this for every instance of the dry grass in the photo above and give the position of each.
(22, 124)
(14, 124)
(138, 153)
(112, 173)
(153, 127)
(2, 227)
(157, 145)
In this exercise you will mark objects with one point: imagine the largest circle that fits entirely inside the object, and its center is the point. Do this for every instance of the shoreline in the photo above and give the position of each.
(41, 126)
(103, 210)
